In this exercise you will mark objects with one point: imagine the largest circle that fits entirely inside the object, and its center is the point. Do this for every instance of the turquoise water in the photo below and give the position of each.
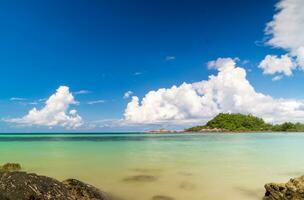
(188, 166)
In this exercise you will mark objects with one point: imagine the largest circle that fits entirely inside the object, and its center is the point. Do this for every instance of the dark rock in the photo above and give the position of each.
(162, 197)
(141, 178)
(26, 186)
(80, 189)
(10, 167)
(292, 190)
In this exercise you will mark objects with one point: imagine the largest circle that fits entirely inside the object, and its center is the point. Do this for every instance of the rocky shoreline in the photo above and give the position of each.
(19, 185)
(292, 190)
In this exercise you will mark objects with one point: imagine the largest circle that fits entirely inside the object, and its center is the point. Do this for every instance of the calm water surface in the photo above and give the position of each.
(190, 166)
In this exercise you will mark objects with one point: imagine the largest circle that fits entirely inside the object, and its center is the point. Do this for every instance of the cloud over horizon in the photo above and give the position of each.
(55, 112)
(228, 91)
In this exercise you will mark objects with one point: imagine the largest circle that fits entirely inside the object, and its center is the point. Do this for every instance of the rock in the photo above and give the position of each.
(146, 170)
(292, 190)
(27, 186)
(80, 189)
(162, 197)
(141, 178)
(10, 167)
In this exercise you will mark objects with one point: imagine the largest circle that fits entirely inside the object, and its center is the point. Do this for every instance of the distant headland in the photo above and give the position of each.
(236, 122)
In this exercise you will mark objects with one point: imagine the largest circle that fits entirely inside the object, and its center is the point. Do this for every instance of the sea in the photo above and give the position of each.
(141, 166)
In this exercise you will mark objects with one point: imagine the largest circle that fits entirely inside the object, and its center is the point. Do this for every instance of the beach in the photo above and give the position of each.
(141, 166)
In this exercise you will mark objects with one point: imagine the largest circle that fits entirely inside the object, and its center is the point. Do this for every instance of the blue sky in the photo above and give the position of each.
(110, 47)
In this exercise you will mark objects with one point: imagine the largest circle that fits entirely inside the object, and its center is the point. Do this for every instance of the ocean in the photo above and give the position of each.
(137, 166)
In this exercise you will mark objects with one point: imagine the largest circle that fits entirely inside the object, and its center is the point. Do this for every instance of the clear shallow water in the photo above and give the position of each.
(189, 166)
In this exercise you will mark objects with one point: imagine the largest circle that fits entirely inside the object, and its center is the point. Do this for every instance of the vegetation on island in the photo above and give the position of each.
(237, 122)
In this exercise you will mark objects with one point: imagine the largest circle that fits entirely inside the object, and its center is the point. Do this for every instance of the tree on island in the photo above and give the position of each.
(240, 122)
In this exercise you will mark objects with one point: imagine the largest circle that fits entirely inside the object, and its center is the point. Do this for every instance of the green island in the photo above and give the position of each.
(236, 122)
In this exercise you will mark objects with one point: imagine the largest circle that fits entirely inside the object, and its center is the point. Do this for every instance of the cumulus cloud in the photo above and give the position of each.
(222, 64)
(287, 27)
(127, 94)
(55, 112)
(300, 56)
(228, 91)
(285, 31)
(273, 64)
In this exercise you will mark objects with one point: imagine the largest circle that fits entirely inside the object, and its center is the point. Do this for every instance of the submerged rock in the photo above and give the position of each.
(141, 178)
(292, 190)
(27, 186)
(162, 197)
(10, 167)
(146, 170)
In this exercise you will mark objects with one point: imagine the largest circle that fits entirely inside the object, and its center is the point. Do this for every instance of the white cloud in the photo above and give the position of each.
(54, 113)
(25, 101)
(96, 102)
(168, 58)
(222, 64)
(300, 56)
(32, 103)
(42, 100)
(287, 27)
(18, 99)
(285, 31)
(277, 78)
(137, 73)
(273, 64)
(82, 92)
(228, 91)
(127, 94)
